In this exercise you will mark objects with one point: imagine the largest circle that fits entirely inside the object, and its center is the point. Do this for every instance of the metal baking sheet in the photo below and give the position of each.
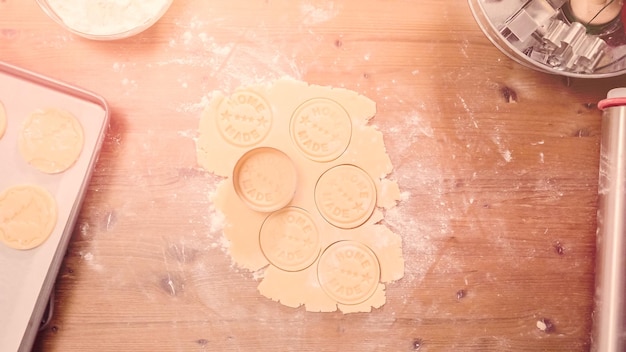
(27, 276)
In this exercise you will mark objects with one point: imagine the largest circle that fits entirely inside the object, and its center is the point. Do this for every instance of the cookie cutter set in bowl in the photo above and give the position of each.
(574, 38)
(581, 39)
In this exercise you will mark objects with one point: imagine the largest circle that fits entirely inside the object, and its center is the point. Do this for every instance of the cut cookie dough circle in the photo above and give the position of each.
(321, 129)
(28, 215)
(290, 239)
(244, 119)
(349, 272)
(265, 179)
(51, 140)
(345, 196)
(3, 120)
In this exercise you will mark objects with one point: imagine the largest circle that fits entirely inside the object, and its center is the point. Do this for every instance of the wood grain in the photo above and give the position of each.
(499, 164)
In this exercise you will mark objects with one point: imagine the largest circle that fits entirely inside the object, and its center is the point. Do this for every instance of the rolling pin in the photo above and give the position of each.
(609, 316)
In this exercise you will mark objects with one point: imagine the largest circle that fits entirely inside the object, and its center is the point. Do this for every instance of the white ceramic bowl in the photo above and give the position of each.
(113, 30)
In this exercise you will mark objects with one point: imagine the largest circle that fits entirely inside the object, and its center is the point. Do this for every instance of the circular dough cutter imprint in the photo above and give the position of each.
(349, 272)
(28, 215)
(321, 129)
(244, 119)
(290, 239)
(51, 140)
(265, 179)
(345, 195)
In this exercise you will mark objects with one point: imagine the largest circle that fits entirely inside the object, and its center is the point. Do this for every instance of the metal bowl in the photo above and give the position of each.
(542, 35)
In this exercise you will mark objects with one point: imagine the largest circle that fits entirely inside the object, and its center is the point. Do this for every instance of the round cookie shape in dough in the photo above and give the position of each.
(265, 179)
(349, 272)
(321, 129)
(345, 196)
(28, 215)
(290, 239)
(51, 140)
(244, 119)
(3, 120)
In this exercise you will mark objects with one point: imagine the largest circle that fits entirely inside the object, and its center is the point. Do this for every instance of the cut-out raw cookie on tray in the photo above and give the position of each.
(28, 214)
(305, 184)
(51, 140)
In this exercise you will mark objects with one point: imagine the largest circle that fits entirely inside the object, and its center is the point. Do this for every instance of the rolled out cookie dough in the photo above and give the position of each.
(3, 120)
(28, 215)
(51, 140)
(306, 178)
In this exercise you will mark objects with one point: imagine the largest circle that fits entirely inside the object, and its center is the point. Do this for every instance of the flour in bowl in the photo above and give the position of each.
(107, 17)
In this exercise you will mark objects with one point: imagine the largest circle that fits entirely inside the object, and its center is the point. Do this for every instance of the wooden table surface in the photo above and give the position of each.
(498, 164)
